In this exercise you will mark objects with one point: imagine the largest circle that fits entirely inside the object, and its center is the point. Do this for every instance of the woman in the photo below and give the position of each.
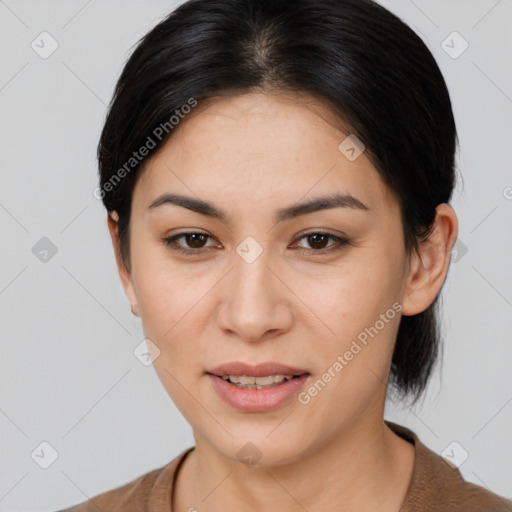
(277, 177)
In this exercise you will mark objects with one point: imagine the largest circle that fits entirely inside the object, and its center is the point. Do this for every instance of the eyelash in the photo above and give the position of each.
(340, 242)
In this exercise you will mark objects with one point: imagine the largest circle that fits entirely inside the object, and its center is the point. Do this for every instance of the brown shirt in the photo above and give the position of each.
(435, 487)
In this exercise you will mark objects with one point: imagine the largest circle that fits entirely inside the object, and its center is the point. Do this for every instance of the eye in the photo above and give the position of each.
(318, 239)
(195, 240)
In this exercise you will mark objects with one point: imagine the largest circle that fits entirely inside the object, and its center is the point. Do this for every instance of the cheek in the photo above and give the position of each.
(165, 292)
(351, 298)
(167, 311)
(353, 370)
(359, 318)
(172, 306)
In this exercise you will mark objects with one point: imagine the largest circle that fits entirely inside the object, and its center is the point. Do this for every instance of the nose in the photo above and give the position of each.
(255, 303)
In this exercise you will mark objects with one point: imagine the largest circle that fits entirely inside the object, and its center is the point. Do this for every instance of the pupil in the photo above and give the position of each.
(315, 236)
(198, 235)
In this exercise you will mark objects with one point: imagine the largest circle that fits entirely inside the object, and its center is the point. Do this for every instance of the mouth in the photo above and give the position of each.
(266, 382)
(258, 388)
(263, 374)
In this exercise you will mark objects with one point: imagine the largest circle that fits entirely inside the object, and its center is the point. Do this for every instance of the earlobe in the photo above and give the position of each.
(124, 273)
(430, 263)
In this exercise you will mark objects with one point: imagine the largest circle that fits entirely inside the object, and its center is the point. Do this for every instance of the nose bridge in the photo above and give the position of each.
(252, 277)
(253, 299)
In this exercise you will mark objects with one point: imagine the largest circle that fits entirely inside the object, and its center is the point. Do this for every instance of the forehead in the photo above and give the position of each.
(269, 149)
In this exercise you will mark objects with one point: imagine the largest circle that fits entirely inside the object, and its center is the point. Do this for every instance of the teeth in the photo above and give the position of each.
(264, 381)
(249, 382)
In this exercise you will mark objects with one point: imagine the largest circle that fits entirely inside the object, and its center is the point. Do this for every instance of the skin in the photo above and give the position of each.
(251, 155)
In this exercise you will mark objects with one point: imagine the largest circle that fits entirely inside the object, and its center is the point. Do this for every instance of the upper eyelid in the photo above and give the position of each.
(301, 234)
(336, 237)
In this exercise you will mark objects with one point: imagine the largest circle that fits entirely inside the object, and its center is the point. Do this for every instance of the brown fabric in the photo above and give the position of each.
(435, 487)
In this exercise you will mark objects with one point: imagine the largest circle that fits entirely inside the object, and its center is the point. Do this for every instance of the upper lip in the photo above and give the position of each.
(259, 370)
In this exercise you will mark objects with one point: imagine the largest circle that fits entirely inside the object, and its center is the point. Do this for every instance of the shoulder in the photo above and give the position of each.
(148, 492)
(439, 487)
(447, 489)
(134, 493)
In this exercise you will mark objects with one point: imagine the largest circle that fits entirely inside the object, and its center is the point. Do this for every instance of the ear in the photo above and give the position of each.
(124, 272)
(429, 266)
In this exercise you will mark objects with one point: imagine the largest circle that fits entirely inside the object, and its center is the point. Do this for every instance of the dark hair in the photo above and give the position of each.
(373, 71)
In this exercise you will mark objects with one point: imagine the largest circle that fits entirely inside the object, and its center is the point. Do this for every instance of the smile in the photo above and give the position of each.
(248, 382)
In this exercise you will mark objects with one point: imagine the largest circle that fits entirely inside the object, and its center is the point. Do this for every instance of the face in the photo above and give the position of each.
(318, 290)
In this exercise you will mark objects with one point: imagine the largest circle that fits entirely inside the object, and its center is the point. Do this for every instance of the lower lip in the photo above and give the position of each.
(257, 400)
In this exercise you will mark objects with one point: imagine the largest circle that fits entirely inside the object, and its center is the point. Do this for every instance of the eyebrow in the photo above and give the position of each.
(289, 212)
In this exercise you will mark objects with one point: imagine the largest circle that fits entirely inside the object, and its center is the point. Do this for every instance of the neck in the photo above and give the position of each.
(368, 468)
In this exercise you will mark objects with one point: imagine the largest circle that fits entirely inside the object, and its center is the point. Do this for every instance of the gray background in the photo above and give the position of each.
(68, 373)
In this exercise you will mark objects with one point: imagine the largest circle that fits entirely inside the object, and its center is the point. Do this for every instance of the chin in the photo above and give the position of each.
(255, 450)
